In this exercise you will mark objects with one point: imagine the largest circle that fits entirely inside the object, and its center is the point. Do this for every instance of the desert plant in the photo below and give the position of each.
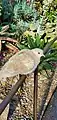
(7, 10)
(23, 15)
(24, 11)
(0, 8)
(32, 42)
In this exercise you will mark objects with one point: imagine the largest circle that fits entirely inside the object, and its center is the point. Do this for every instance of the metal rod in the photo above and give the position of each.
(35, 94)
(11, 94)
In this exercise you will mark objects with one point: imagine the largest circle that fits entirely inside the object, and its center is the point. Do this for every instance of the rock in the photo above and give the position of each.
(4, 115)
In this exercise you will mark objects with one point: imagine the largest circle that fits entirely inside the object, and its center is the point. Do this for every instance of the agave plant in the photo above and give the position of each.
(24, 11)
(23, 15)
(7, 10)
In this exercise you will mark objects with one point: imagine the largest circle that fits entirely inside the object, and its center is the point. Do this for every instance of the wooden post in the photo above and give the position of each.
(35, 94)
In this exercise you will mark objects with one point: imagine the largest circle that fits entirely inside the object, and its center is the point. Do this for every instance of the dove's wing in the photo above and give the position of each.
(21, 63)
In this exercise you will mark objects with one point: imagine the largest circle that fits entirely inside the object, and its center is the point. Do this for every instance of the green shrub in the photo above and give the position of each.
(7, 10)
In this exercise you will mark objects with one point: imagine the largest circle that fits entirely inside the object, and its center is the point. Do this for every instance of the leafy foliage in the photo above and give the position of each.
(23, 15)
(0, 8)
(50, 60)
(24, 11)
(32, 42)
(7, 10)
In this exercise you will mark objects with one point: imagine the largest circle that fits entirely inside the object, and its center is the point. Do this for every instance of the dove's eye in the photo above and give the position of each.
(38, 52)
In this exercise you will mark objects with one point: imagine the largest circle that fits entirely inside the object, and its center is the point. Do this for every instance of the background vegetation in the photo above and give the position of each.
(33, 24)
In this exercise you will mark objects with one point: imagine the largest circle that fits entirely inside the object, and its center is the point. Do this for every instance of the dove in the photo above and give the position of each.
(23, 62)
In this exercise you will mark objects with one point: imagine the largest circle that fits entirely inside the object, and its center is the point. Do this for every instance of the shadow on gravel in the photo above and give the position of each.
(51, 111)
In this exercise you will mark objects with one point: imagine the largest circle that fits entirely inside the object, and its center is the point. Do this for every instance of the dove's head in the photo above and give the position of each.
(38, 52)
